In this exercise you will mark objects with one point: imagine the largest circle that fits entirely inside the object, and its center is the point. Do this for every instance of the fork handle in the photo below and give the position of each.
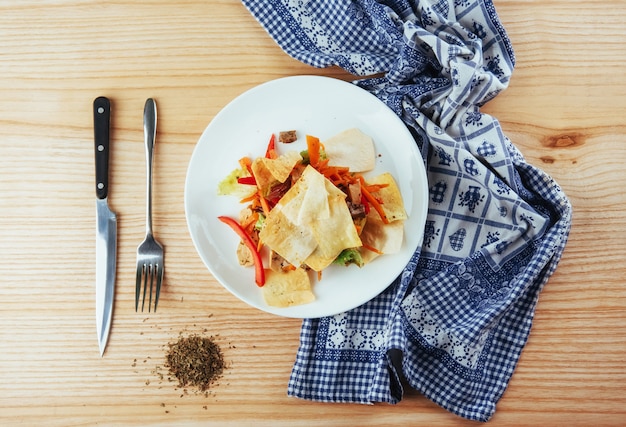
(149, 130)
(101, 125)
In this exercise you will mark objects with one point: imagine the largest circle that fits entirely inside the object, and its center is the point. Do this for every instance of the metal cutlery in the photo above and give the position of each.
(106, 224)
(150, 266)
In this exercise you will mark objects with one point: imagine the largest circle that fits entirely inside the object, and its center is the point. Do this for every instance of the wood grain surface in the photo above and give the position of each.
(565, 110)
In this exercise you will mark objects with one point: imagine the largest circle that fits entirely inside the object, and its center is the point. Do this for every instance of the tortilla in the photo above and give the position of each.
(315, 205)
(267, 172)
(390, 196)
(351, 148)
(285, 289)
(333, 233)
(311, 224)
(292, 241)
(387, 238)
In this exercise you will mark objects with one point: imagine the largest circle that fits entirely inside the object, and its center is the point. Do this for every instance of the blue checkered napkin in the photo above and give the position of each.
(454, 323)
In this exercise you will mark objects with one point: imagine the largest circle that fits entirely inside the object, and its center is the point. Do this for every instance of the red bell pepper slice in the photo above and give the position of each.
(270, 153)
(247, 180)
(259, 276)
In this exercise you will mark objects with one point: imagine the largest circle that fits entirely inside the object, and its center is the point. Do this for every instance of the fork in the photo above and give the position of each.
(150, 266)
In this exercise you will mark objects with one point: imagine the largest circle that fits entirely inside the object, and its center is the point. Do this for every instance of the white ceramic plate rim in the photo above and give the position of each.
(323, 107)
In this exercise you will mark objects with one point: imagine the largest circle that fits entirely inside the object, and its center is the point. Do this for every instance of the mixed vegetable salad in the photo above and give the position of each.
(306, 210)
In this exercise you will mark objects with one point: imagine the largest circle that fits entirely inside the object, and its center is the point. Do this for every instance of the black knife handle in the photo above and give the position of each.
(101, 126)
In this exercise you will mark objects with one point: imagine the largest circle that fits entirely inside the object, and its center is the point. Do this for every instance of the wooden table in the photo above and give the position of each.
(565, 110)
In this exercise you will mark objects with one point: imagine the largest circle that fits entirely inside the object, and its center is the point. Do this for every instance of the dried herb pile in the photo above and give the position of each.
(195, 361)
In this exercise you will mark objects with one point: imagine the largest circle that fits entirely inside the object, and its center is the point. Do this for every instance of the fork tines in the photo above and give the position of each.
(150, 276)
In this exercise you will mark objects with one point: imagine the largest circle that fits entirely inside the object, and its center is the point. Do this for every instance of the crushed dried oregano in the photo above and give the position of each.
(195, 361)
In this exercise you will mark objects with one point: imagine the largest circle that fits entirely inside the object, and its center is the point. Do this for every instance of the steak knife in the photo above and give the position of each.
(106, 224)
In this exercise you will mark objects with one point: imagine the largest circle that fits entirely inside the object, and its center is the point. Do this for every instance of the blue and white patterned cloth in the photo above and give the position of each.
(454, 323)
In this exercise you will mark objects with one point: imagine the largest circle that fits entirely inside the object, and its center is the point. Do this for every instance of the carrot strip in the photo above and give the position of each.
(246, 164)
(249, 198)
(252, 219)
(375, 204)
(313, 146)
(373, 188)
(264, 205)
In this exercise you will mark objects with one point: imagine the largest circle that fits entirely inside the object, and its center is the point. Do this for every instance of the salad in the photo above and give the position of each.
(304, 211)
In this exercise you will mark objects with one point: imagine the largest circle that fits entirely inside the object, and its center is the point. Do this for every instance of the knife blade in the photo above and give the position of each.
(106, 224)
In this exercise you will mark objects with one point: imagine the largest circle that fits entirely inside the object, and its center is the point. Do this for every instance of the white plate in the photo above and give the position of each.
(319, 106)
